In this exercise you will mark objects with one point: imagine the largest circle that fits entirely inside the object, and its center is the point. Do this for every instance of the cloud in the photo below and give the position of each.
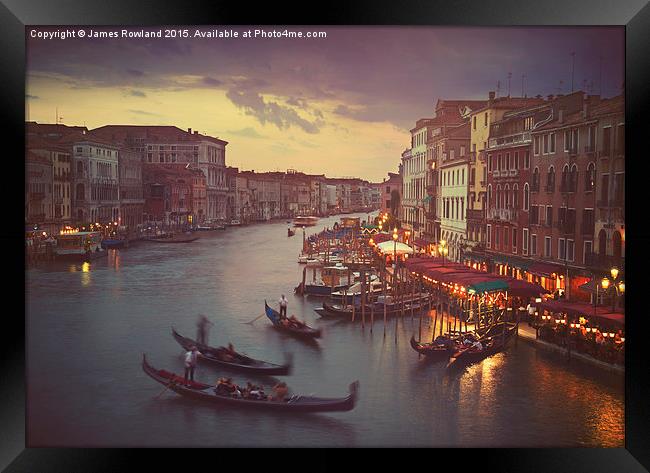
(248, 132)
(281, 116)
(142, 112)
(210, 81)
(135, 72)
(32, 97)
(137, 93)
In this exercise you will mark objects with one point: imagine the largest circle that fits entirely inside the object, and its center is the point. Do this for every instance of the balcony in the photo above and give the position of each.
(513, 173)
(506, 215)
(36, 196)
(496, 173)
(596, 261)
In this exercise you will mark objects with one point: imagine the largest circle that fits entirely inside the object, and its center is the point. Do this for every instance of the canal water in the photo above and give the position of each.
(88, 325)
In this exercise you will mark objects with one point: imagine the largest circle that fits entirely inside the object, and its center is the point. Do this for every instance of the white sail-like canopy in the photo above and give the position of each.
(390, 247)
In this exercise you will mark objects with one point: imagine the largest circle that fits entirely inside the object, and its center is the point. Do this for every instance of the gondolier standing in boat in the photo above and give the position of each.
(202, 329)
(190, 363)
(283, 306)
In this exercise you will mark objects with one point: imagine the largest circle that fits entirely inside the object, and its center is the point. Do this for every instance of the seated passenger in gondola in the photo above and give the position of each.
(222, 387)
(478, 345)
(280, 391)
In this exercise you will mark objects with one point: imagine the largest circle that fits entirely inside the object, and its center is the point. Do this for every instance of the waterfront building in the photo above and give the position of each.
(170, 144)
(38, 191)
(130, 190)
(60, 159)
(265, 189)
(414, 180)
(562, 203)
(453, 178)
(391, 193)
(480, 121)
(169, 194)
(608, 155)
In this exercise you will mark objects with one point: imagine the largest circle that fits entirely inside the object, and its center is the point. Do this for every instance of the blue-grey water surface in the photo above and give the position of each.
(88, 326)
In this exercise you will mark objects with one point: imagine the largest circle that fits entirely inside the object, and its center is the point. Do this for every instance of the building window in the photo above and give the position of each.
(489, 236)
(514, 240)
(536, 145)
(516, 161)
(526, 196)
(497, 234)
(590, 177)
(607, 141)
(551, 144)
(547, 246)
(570, 250)
(527, 159)
(533, 245)
(474, 123)
(545, 144)
(561, 249)
(549, 216)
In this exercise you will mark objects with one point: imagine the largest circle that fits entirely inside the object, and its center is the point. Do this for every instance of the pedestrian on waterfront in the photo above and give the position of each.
(283, 306)
(190, 363)
(202, 329)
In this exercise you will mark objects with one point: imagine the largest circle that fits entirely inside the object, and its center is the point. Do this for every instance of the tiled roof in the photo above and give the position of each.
(158, 133)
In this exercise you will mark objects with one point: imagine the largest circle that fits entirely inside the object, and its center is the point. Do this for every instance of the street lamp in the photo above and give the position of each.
(443, 250)
(395, 247)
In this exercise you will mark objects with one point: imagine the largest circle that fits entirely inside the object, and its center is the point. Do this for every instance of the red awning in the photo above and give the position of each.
(544, 269)
(521, 288)
(580, 309)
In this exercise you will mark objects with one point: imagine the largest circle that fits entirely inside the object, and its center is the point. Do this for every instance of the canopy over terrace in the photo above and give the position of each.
(579, 309)
(392, 247)
(476, 281)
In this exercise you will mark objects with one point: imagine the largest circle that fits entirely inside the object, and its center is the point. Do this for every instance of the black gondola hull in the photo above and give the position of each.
(207, 354)
(204, 392)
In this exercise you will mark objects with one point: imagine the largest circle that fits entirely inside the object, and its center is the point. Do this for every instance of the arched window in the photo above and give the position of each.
(506, 196)
(536, 179)
(526, 196)
(515, 196)
(564, 186)
(602, 243)
(550, 179)
(617, 246)
(80, 192)
(590, 177)
(498, 196)
(489, 194)
(573, 178)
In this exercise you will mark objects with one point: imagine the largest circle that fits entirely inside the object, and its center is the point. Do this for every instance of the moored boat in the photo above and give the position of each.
(230, 359)
(305, 221)
(205, 392)
(114, 243)
(304, 331)
(79, 246)
(493, 341)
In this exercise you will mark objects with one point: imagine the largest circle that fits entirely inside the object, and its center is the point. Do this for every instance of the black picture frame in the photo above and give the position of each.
(633, 14)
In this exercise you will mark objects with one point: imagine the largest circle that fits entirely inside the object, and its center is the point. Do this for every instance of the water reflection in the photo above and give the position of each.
(522, 397)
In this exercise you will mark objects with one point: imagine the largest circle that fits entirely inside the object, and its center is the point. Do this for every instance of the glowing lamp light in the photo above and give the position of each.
(614, 272)
(539, 299)
(621, 287)
(604, 283)
(622, 339)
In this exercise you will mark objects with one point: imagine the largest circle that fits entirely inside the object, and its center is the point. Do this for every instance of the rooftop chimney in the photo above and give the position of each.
(585, 109)
(189, 130)
(560, 116)
(196, 132)
(491, 95)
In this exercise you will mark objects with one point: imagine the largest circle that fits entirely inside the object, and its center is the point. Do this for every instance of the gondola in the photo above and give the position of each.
(171, 240)
(440, 349)
(206, 392)
(337, 310)
(303, 332)
(493, 341)
(240, 362)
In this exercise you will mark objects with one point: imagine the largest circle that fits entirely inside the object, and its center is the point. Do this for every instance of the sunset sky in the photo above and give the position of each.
(340, 105)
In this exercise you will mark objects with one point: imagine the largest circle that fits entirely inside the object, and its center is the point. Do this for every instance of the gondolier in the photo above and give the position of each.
(190, 363)
(283, 306)
(202, 329)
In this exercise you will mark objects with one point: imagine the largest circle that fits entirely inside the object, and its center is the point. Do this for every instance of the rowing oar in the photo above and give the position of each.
(256, 318)
(166, 388)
